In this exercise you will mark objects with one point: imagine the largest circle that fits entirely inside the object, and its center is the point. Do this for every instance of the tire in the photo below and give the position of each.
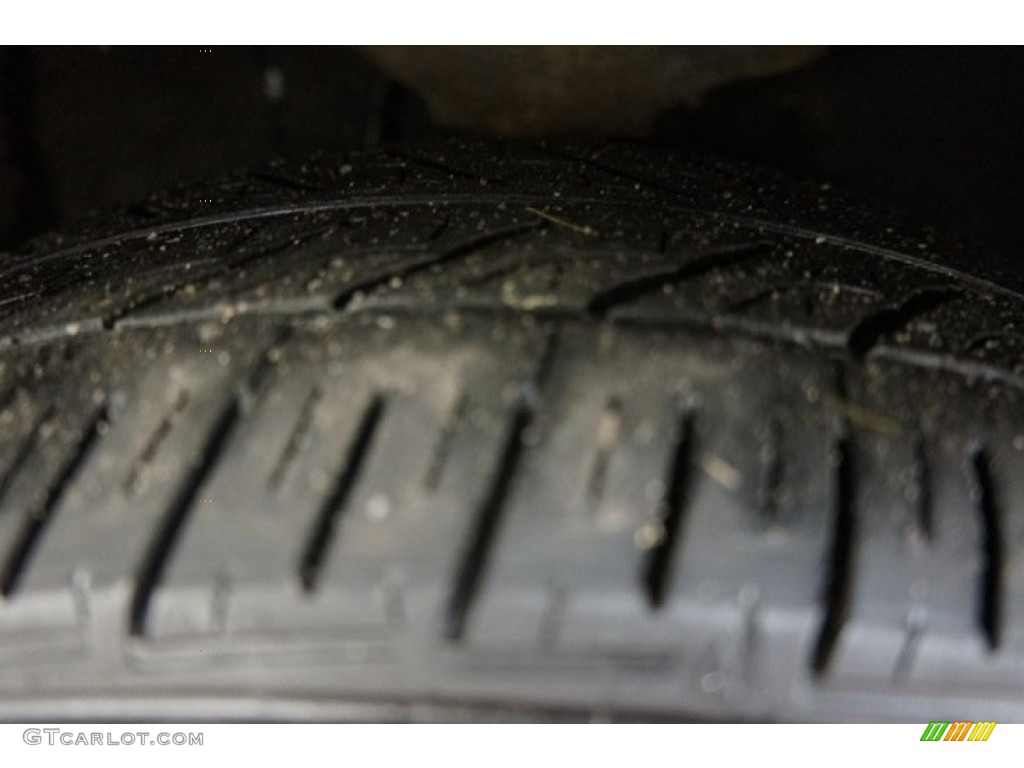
(477, 432)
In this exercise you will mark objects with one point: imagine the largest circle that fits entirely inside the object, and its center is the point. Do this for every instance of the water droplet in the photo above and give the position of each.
(649, 535)
(378, 507)
(712, 682)
(654, 490)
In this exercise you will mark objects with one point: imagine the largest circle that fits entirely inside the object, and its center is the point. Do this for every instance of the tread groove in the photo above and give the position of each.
(161, 546)
(608, 434)
(484, 527)
(869, 331)
(110, 320)
(38, 518)
(771, 472)
(361, 287)
(282, 181)
(440, 229)
(990, 600)
(295, 439)
(612, 170)
(132, 482)
(776, 291)
(663, 239)
(925, 514)
(266, 363)
(7, 398)
(839, 569)
(224, 268)
(657, 567)
(633, 288)
(293, 240)
(912, 637)
(449, 431)
(474, 558)
(410, 158)
(311, 562)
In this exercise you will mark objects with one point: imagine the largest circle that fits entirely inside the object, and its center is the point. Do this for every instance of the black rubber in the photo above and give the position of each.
(468, 431)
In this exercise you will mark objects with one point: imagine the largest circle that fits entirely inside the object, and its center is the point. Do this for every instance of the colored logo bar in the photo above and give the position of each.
(961, 730)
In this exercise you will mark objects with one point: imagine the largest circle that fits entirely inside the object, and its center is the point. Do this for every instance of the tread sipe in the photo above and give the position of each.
(468, 431)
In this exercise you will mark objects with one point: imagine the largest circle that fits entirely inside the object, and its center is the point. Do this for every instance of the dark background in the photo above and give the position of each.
(933, 133)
